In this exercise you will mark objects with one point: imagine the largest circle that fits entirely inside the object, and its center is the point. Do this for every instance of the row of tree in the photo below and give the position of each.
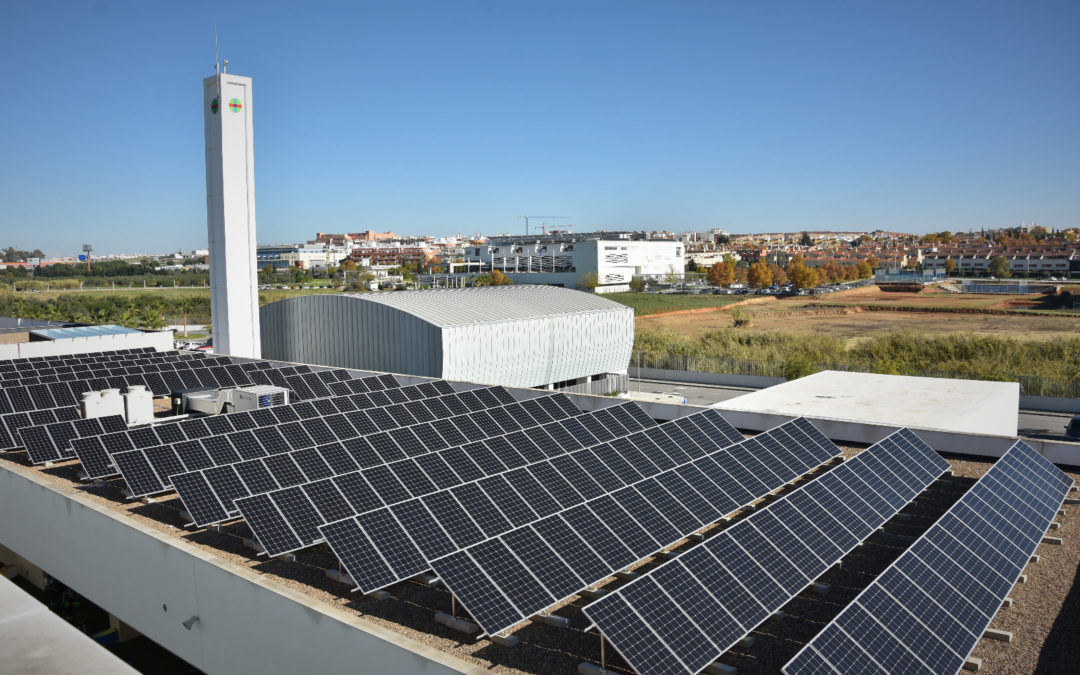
(763, 275)
(12, 254)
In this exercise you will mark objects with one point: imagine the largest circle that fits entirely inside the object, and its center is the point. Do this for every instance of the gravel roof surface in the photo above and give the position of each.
(1044, 617)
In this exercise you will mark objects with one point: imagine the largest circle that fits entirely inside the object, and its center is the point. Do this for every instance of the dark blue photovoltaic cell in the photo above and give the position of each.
(544, 562)
(476, 591)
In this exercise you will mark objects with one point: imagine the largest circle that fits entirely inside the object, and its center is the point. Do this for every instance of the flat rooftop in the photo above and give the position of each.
(964, 406)
(1044, 617)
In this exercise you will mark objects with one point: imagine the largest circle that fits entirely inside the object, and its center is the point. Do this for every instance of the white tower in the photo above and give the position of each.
(230, 215)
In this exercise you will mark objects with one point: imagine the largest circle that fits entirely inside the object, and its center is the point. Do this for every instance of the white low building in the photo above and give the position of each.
(515, 336)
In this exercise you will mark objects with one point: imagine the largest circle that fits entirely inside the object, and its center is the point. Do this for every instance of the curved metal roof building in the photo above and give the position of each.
(522, 336)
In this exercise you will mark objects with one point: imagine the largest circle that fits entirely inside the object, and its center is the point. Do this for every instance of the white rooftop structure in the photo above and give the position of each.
(964, 406)
(515, 336)
(490, 304)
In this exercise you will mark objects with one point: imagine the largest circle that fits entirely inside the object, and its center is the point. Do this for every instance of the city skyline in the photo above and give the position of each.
(428, 118)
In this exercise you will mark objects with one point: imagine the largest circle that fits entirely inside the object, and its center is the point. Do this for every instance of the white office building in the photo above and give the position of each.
(565, 259)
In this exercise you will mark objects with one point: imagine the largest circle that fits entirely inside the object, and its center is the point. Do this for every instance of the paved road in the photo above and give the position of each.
(1031, 423)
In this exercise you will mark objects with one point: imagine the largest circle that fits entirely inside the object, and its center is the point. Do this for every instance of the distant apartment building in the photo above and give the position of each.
(352, 238)
(1025, 261)
(393, 255)
(563, 260)
(305, 256)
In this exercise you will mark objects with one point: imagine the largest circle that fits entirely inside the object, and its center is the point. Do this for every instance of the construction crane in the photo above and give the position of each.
(547, 217)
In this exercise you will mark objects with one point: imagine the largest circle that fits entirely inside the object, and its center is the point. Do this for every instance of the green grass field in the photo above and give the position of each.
(654, 303)
(133, 307)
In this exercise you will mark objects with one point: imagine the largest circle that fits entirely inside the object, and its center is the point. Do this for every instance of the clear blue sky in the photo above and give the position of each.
(455, 116)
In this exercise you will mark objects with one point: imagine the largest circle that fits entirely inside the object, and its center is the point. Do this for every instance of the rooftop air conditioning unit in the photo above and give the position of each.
(258, 396)
(212, 402)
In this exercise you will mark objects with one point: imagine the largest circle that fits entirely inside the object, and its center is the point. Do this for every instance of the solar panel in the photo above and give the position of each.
(930, 608)
(619, 528)
(140, 477)
(404, 482)
(95, 460)
(702, 603)
(165, 461)
(415, 478)
(40, 446)
(498, 506)
(276, 533)
(255, 476)
(284, 469)
(225, 484)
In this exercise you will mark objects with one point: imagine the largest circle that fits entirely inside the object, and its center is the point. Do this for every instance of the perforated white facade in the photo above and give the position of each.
(521, 336)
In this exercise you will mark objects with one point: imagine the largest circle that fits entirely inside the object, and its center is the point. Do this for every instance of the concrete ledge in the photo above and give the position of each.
(454, 623)
(154, 582)
(38, 641)
(721, 669)
(694, 377)
(999, 635)
(341, 577)
(1049, 404)
(552, 620)
(972, 664)
(1055, 541)
(507, 641)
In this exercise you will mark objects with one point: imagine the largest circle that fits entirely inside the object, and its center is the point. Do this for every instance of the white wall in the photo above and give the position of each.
(159, 340)
(535, 352)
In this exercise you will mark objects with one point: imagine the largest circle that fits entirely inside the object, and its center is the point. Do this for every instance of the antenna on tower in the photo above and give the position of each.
(217, 61)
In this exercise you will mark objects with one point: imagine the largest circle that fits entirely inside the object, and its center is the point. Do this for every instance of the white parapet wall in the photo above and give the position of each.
(160, 340)
(154, 582)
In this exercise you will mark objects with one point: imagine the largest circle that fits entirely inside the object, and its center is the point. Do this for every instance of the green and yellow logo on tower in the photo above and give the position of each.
(214, 106)
(234, 105)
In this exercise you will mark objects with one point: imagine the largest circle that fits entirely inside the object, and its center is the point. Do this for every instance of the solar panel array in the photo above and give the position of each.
(452, 480)
(506, 580)
(12, 423)
(928, 610)
(63, 364)
(235, 437)
(322, 442)
(28, 394)
(683, 615)
(375, 467)
(54, 442)
(160, 372)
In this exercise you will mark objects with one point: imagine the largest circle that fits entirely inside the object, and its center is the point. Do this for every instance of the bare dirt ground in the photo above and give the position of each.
(805, 314)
